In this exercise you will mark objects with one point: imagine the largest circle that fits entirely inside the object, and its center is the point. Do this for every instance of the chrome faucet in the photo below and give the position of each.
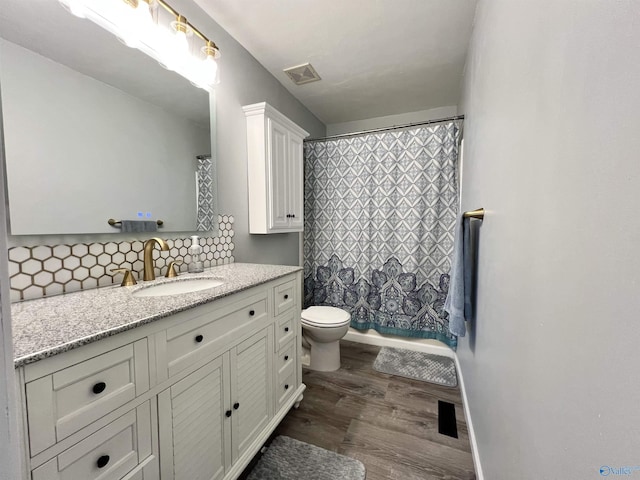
(149, 273)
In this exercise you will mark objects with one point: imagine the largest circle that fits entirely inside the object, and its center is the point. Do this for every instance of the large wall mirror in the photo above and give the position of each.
(95, 130)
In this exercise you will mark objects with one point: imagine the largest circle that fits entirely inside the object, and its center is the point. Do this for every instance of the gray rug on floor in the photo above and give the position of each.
(417, 365)
(289, 459)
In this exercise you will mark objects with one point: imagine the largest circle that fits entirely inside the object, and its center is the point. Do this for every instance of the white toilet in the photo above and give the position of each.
(322, 329)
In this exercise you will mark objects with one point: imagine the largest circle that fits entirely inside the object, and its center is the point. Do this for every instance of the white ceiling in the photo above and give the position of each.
(375, 57)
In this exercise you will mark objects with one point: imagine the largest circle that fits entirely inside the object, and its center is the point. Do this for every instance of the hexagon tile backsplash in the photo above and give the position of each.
(46, 270)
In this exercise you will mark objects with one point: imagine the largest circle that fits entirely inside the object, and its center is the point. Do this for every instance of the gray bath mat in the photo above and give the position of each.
(289, 459)
(417, 365)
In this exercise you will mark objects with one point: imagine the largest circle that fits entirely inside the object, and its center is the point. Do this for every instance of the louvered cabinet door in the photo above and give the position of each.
(195, 431)
(251, 389)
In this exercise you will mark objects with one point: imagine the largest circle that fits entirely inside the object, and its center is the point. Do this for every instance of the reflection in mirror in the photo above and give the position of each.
(96, 130)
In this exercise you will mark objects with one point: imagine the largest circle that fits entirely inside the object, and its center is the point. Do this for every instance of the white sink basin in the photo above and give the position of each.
(177, 287)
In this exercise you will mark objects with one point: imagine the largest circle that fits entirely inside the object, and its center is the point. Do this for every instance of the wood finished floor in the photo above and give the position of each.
(389, 423)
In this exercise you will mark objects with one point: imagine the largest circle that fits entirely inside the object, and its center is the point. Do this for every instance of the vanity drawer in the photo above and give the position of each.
(66, 401)
(286, 328)
(108, 454)
(193, 340)
(286, 356)
(284, 296)
(286, 384)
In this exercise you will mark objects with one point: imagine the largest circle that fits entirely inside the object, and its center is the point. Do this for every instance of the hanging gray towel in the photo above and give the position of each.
(458, 302)
(138, 226)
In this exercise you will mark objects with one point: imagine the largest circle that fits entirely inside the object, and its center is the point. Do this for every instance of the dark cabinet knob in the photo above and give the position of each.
(286, 357)
(102, 461)
(293, 215)
(99, 387)
(228, 413)
(286, 296)
(236, 406)
(286, 329)
(288, 215)
(252, 312)
(199, 338)
(286, 387)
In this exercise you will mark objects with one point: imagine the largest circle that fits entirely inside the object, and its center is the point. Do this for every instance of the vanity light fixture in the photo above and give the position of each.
(162, 33)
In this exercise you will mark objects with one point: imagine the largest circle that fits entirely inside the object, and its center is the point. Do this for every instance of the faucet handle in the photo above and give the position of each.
(128, 279)
(171, 270)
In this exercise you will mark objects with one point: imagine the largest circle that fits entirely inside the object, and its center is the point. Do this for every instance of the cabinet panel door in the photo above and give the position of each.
(295, 182)
(194, 431)
(278, 146)
(251, 389)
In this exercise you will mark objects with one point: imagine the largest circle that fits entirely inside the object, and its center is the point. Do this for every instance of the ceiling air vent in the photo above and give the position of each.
(302, 74)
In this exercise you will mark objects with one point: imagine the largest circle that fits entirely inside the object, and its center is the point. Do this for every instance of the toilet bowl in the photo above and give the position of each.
(322, 329)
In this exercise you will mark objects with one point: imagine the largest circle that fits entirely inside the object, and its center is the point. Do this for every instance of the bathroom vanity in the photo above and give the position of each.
(118, 386)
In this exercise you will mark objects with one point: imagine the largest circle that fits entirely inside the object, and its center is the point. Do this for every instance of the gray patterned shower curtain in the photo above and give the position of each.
(380, 212)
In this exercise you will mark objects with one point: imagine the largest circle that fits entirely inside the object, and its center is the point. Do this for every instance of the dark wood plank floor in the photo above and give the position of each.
(389, 423)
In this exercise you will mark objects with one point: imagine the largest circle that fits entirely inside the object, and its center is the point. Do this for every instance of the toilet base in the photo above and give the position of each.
(325, 357)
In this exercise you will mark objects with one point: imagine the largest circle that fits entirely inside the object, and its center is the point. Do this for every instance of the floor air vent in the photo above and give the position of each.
(447, 424)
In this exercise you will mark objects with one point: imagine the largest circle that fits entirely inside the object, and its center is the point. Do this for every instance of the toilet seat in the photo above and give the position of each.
(325, 317)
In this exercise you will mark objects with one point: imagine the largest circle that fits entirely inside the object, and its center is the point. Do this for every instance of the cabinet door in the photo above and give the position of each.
(194, 430)
(295, 183)
(251, 389)
(278, 203)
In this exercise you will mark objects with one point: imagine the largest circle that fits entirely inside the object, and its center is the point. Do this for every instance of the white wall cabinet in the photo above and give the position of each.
(275, 171)
(194, 395)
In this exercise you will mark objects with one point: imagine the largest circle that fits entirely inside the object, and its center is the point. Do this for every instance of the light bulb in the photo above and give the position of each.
(181, 44)
(135, 22)
(175, 54)
(210, 69)
(207, 70)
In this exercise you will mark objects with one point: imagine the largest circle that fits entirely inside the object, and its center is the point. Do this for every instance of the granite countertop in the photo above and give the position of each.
(48, 326)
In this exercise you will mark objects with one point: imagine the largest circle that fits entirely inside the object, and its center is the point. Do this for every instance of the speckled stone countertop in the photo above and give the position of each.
(48, 326)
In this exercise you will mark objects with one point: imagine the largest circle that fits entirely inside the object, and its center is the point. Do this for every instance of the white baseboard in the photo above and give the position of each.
(374, 338)
(467, 415)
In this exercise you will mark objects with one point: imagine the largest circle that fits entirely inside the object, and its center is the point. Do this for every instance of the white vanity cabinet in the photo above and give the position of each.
(192, 395)
(275, 171)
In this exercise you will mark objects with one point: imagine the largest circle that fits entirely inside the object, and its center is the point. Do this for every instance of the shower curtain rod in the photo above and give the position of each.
(385, 129)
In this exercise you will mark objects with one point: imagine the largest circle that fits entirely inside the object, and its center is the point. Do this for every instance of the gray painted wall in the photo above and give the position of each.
(391, 120)
(244, 81)
(552, 152)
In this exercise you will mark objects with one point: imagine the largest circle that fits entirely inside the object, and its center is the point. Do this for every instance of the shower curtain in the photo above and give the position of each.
(380, 212)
